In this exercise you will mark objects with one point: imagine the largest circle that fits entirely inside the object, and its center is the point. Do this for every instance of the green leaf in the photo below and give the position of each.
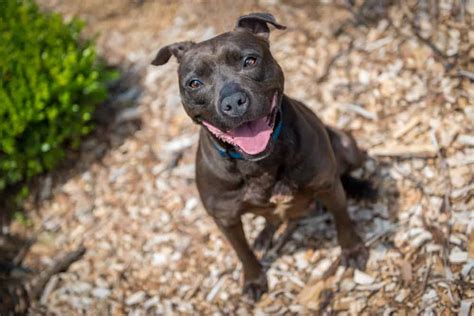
(50, 83)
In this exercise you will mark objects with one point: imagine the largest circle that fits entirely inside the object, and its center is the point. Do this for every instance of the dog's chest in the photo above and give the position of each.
(276, 198)
(266, 189)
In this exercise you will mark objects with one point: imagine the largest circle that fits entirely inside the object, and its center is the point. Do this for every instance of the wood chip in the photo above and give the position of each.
(414, 121)
(407, 272)
(470, 246)
(402, 295)
(465, 139)
(458, 257)
(135, 298)
(311, 294)
(215, 289)
(148, 229)
(406, 151)
(466, 269)
(465, 309)
(343, 304)
(362, 278)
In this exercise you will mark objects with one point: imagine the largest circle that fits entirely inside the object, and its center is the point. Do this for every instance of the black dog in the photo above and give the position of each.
(259, 150)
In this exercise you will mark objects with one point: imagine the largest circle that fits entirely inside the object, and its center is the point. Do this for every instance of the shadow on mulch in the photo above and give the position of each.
(115, 120)
(325, 237)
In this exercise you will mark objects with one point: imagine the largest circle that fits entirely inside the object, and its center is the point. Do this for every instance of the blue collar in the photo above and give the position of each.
(225, 153)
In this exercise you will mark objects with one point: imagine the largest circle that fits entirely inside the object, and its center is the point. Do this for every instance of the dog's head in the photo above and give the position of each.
(231, 84)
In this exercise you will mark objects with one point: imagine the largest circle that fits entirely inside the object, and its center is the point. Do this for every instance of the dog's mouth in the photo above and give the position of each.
(251, 137)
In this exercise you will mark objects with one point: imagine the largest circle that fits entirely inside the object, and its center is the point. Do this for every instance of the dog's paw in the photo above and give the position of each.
(255, 288)
(282, 193)
(281, 199)
(264, 240)
(355, 257)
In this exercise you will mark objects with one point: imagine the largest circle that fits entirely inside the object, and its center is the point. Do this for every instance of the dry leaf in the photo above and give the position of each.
(407, 272)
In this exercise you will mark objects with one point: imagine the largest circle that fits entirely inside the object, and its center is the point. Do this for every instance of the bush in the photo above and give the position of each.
(50, 84)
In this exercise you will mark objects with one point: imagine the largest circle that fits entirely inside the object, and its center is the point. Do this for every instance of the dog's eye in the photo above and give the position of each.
(194, 84)
(250, 61)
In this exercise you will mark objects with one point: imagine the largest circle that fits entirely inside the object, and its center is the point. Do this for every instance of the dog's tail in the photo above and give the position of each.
(358, 189)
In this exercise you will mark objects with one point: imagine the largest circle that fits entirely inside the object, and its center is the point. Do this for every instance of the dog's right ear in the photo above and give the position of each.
(177, 50)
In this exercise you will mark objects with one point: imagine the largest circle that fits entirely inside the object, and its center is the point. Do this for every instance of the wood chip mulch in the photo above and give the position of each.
(400, 78)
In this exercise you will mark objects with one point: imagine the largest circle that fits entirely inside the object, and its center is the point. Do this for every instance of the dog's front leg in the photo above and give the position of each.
(354, 253)
(255, 280)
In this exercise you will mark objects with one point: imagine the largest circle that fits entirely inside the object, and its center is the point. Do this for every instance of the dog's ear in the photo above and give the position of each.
(177, 50)
(257, 23)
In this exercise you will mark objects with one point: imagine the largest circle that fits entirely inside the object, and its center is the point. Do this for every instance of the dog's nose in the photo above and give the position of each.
(235, 104)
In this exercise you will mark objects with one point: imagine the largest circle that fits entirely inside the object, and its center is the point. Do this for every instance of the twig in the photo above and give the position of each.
(290, 229)
(37, 284)
(429, 43)
(18, 260)
(446, 205)
(381, 235)
(377, 44)
(418, 184)
(215, 289)
(358, 110)
(342, 28)
(333, 60)
(49, 288)
(197, 285)
(425, 278)
(467, 74)
(17, 296)
(426, 41)
(445, 208)
(173, 162)
(369, 12)
(453, 281)
(294, 279)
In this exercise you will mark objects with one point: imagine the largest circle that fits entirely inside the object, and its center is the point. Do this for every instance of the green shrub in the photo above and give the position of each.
(50, 84)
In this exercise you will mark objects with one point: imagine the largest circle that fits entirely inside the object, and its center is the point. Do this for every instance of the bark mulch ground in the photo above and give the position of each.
(400, 77)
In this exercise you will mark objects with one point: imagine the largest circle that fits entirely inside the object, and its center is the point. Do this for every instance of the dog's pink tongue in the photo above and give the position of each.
(252, 137)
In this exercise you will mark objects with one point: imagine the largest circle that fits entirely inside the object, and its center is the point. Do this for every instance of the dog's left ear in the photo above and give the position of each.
(257, 23)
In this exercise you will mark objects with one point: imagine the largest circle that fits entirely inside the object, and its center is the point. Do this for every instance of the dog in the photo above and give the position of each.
(259, 150)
